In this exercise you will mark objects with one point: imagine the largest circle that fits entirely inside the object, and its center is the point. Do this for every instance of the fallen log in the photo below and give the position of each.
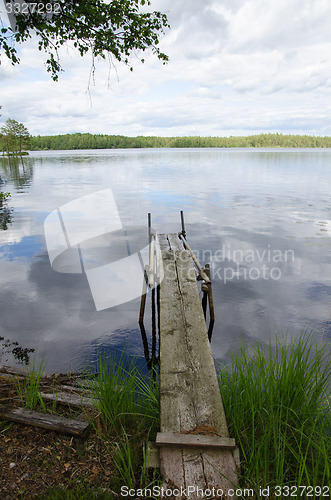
(74, 427)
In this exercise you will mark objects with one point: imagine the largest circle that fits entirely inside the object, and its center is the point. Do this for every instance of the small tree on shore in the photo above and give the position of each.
(16, 136)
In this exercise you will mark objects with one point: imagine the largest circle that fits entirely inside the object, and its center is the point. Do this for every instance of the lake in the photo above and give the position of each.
(260, 217)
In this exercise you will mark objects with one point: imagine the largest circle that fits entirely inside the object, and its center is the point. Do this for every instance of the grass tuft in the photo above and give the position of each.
(29, 390)
(278, 410)
(123, 397)
(128, 408)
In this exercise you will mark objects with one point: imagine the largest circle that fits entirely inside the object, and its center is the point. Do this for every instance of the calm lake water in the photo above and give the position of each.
(261, 217)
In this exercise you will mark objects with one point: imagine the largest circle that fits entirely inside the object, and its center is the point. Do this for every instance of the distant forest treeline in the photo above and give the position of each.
(101, 141)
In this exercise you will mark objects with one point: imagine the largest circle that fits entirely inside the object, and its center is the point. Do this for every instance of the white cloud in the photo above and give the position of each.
(235, 67)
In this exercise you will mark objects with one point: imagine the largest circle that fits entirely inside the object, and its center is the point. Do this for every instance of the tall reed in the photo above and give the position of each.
(29, 390)
(128, 406)
(278, 409)
(123, 396)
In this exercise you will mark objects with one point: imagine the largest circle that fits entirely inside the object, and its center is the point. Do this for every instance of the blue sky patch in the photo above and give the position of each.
(25, 249)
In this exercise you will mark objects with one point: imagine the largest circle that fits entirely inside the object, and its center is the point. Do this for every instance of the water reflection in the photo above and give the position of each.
(239, 200)
(18, 170)
(151, 356)
(5, 211)
(6, 215)
(19, 353)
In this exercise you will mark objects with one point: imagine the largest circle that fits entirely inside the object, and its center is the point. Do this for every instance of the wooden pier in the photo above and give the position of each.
(196, 452)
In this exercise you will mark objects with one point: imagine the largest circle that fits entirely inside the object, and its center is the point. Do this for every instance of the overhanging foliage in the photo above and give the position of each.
(116, 28)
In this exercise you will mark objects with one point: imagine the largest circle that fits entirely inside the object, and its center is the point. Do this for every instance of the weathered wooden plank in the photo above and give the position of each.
(163, 242)
(189, 392)
(154, 455)
(204, 470)
(75, 389)
(188, 440)
(176, 376)
(13, 370)
(193, 471)
(10, 377)
(187, 366)
(220, 468)
(48, 421)
(209, 406)
(68, 399)
(197, 471)
(171, 467)
(83, 383)
(175, 243)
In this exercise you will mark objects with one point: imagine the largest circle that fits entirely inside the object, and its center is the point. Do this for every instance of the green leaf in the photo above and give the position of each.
(116, 28)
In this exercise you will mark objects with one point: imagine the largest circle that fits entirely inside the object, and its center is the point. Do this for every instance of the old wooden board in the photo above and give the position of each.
(48, 421)
(68, 399)
(189, 393)
(194, 440)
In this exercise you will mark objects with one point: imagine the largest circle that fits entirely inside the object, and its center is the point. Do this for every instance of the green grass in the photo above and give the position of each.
(128, 408)
(277, 407)
(278, 410)
(123, 397)
(29, 390)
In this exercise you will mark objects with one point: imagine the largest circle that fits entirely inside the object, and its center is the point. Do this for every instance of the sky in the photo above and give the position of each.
(237, 67)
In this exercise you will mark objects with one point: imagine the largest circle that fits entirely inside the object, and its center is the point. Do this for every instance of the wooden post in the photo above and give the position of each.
(143, 295)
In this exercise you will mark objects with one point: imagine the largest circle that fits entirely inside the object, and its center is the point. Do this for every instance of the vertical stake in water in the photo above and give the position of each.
(151, 278)
(183, 226)
(143, 295)
(211, 305)
(149, 281)
(152, 285)
(149, 228)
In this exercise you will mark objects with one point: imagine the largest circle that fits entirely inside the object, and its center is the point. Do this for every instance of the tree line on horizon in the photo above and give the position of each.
(103, 141)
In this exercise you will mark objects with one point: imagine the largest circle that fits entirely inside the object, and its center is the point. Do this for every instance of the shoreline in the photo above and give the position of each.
(275, 395)
(78, 141)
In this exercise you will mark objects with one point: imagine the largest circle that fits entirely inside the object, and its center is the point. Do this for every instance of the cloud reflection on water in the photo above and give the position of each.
(243, 200)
